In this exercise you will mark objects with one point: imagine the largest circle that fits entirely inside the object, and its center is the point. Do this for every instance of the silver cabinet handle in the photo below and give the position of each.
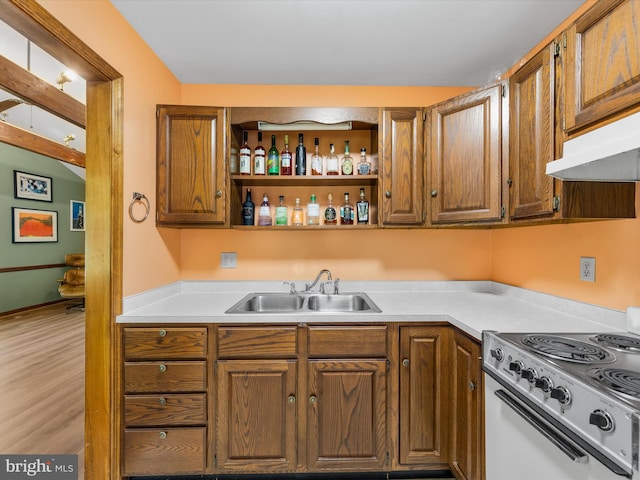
(313, 399)
(163, 368)
(291, 399)
(405, 362)
(163, 435)
(472, 386)
(162, 333)
(218, 193)
(387, 194)
(163, 401)
(434, 193)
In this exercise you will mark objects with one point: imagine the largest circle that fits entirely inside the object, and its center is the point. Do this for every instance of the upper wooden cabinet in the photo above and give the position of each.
(465, 157)
(401, 166)
(191, 167)
(602, 63)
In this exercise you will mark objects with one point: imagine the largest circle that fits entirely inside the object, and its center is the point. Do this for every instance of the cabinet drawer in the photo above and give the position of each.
(165, 343)
(160, 410)
(160, 377)
(348, 341)
(168, 451)
(257, 342)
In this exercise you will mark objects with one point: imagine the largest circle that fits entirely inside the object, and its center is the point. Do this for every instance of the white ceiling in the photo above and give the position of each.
(343, 42)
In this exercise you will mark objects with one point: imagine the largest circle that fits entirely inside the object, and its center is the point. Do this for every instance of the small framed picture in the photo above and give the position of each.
(76, 211)
(32, 187)
(30, 225)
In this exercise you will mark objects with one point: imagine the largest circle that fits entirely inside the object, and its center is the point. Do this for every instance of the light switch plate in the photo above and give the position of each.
(228, 260)
(588, 269)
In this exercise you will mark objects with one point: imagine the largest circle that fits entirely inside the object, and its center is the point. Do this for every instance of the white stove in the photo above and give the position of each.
(581, 392)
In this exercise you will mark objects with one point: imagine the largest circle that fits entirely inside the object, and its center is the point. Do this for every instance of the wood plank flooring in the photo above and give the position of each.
(42, 382)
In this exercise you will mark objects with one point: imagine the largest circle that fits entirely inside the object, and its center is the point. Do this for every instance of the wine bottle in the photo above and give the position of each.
(258, 157)
(347, 161)
(333, 165)
(362, 209)
(301, 156)
(346, 211)
(313, 212)
(316, 159)
(282, 212)
(264, 215)
(364, 167)
(245, 155)
(273, 160)
(330, 214)
(248, 210)
(297, 216)
(285, 158)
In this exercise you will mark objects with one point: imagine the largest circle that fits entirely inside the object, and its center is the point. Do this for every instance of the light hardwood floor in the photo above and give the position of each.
(42, 382)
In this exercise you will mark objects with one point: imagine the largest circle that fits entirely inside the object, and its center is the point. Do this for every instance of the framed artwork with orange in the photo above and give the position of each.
(31, 225)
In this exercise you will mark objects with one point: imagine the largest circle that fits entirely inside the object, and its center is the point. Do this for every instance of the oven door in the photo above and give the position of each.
(521, 445)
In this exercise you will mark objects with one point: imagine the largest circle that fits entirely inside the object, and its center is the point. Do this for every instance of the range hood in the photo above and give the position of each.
(607, 154)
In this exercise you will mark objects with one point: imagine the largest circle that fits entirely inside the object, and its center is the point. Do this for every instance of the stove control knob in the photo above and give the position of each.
(602, 419)
(544, 383)
(516, 366)
(530, 374)
(497, 353)
(562, 395)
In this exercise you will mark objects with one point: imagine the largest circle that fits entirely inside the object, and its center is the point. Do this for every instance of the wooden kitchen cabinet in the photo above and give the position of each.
(602, 69)
(467, 422)
(402, 166)
(191, 166)
(466, 158)
(423, 395)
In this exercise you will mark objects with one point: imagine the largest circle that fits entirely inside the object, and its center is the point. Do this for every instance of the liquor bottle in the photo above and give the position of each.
(362, 209)
(347, 161)
(364, 167)
(258, 157)
(245, 156)
(346, 211)
(333, 165)
(248, 210)
(273, 160)
(330, 214)
(297, 216)
(282, 213)
(316, 159)
(301, 156)
(264, 215)
(285, 158)
(313, 212)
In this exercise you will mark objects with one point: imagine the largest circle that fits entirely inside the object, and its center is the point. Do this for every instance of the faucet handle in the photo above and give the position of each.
(335, 286)
(292, 286)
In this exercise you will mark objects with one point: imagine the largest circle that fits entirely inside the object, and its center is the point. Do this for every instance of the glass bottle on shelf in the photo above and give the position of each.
(333, 164)
(259, 157)
(364, 167)
(248, 210)
(245, 155)
(330, 214)
(273, 160)
(347, 161)
(313, 212)
(282, 213)
(346, 211)
(362, 209)
(301, 156)
(285, 158)
(297, 216)
(316, 159)
(264, 214)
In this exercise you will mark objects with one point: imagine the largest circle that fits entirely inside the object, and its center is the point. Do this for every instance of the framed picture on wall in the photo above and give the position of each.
(76, 210)
(30, 225)
(32, 187)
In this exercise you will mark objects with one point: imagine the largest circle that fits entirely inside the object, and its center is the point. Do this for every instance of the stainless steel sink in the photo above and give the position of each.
(304, 303)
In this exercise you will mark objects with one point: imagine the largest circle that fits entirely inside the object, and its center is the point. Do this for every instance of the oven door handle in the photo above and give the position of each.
(569, 448)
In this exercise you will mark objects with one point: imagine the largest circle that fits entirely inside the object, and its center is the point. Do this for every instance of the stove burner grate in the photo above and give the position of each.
(623, 343)
(619, 380)
(568, 349)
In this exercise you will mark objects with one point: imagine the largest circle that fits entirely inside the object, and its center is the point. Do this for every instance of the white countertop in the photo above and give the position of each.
(472, 306)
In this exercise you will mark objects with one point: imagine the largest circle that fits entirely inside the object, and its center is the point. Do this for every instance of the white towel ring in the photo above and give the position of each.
(139, 197)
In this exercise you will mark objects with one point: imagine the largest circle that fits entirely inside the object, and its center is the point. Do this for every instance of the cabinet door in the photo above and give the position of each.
(347, 420)
(423, 402)
(468, 447)
(602, 63)
(401, 167)
(466, 158)
(531, 137)
(256, 416)
(191, 167)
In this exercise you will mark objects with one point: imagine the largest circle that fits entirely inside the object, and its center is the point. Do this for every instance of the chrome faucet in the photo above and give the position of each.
(308, 287)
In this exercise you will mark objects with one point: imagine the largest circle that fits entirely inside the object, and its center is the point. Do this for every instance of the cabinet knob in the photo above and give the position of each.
(218, 193)
(162, 333)
(291, 399)
(472, 386)
(313, 399)
(163, 435)
(509, 181)
(163, 401)
(387, 194)
(163, 368)
(405, 362)
(434, 193)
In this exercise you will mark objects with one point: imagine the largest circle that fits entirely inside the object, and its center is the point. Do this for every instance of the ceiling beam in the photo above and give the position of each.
(35, 143)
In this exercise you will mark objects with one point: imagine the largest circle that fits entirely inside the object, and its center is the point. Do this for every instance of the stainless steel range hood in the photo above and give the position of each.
(607, 154)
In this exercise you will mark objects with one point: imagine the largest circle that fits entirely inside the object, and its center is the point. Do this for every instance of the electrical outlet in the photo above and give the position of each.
(228, 260)
(588, 269)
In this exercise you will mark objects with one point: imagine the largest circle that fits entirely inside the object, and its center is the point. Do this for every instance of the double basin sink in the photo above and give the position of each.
(305, 303)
